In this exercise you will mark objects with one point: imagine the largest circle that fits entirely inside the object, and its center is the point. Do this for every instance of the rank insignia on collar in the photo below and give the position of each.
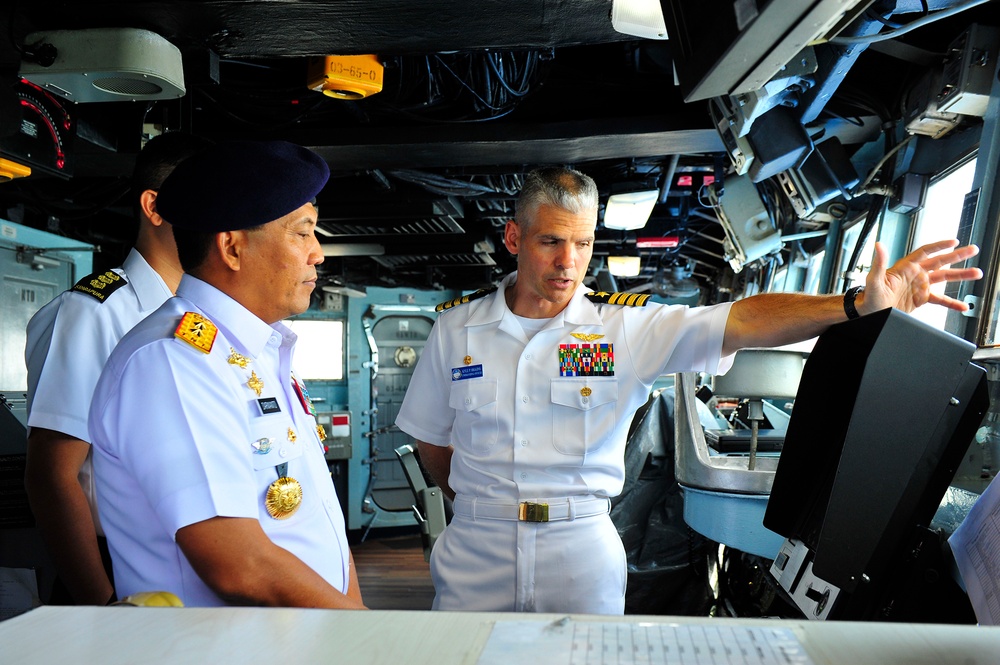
(448, 304)
(255, 383)
(586, 337)
(197, 331)
(237, 359)
(619, 298)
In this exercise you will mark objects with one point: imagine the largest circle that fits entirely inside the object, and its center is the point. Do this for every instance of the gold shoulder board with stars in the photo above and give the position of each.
(197, 331)
(448, 304)
(100, 285)
(619, 298)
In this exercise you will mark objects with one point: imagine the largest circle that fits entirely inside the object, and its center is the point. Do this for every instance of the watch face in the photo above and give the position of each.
(405, 356)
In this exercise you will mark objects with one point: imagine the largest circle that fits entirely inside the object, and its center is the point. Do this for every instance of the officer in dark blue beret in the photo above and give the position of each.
(241, 184)
(226, 498)
(245, 185)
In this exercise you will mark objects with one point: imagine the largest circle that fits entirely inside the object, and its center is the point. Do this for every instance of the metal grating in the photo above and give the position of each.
(431, 226)
(453, 260)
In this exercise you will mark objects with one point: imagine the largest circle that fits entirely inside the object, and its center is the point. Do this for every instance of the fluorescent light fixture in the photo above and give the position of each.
(352, 249)
(624, 266)
(630, 211)
(640, 18)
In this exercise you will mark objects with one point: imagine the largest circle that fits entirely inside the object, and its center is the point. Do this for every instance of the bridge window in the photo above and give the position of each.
(319, 353)
(939, 219)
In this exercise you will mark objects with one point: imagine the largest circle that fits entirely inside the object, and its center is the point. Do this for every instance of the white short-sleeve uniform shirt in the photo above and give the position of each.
(541, 418)
(181, 436)
(70, 338)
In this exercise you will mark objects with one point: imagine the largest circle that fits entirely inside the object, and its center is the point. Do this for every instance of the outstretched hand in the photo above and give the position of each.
(907, 284)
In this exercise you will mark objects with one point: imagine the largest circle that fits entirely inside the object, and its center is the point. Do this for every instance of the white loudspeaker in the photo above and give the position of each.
(108, 65)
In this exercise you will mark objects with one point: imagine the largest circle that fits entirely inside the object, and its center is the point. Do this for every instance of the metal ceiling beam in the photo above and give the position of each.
(547, 143)
(278, 28)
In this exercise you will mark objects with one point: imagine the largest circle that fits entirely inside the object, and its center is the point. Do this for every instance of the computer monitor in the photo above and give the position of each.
(885, 411)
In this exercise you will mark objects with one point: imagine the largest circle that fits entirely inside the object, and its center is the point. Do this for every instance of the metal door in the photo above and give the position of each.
(400, 340)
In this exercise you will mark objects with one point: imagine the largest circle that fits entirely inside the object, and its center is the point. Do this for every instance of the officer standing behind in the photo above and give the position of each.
(522, 399)
(68, 341)
(211, 478)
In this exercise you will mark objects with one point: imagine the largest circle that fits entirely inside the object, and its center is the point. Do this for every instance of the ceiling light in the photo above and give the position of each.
(624, 266)
(629, 211)
(640, 18)
(353, 249)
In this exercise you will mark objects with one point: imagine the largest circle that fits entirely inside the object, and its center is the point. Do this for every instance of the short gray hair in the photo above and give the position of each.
(557, 186)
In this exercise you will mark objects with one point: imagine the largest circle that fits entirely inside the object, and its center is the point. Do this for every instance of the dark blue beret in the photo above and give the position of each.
(240, 184)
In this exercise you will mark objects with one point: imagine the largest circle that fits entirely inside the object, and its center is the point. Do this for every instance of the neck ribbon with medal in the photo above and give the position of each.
(284, 495)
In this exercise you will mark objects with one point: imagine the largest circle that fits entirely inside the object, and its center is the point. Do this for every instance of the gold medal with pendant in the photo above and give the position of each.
(284, 495)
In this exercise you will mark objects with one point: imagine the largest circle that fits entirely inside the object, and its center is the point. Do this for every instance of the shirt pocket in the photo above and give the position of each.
(275, 440)
(476, 419)
(583, 413)
(271, 434)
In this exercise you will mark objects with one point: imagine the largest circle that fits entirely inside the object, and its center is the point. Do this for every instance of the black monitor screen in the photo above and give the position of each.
(884, 413)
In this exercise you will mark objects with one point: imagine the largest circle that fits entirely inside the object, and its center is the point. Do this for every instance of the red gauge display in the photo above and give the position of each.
(43, 140)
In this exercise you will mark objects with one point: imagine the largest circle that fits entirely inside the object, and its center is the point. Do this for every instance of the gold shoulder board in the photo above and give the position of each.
(100, 285)
(448, 304)
(619, 298)
(197, 331)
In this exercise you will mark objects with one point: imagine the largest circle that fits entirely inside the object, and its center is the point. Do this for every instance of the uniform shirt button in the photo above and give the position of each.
(527, 356)
(586, 399)
(283, 452)
(524, 442)
(524, 398)
(524, 476)
(468, 400)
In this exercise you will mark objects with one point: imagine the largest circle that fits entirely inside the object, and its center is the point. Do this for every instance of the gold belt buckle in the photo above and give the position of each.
(533, 512)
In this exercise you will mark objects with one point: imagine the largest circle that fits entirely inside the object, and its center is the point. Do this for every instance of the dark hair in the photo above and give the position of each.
(159, 157)
(558, 186)
(193, 247)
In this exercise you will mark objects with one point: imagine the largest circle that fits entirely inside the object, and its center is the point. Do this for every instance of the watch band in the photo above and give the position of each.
(849, 308)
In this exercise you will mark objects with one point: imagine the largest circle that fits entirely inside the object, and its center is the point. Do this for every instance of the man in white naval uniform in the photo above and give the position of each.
(522, 399)
(68, 341)
(211, 478)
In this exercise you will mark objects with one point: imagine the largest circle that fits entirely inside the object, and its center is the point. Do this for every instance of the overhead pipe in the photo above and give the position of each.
(668, 178)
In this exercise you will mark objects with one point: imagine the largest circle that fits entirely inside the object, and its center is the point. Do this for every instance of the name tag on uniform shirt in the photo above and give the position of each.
(470, 372)
(268, 405)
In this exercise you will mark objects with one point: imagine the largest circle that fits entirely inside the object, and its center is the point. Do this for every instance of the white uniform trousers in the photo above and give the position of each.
(501, 565)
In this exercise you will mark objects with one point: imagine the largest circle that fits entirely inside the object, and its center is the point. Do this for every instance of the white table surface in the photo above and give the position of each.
(256, 635)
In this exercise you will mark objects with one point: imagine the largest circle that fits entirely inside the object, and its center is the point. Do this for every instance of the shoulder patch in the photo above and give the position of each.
(448, 304)
(619, 298)
(197, 331)
(100, 285)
